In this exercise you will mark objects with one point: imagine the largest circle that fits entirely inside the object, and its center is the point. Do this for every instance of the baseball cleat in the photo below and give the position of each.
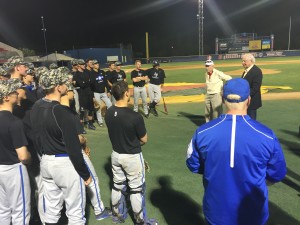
(91, 127)
(155, 112)
(106, 213)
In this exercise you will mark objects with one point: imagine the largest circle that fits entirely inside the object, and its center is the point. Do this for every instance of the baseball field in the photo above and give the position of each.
(174, 195)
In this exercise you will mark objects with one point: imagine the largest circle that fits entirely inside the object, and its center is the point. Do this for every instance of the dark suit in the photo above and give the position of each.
(254, 77)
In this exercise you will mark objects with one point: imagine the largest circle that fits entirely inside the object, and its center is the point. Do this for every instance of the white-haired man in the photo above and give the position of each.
(254, 76)
(214, 82)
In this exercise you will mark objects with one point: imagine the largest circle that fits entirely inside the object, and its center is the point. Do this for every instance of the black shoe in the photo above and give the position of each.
(100, 124)
(147, 115)
(91, 127)
(155, 112)
(84, 132)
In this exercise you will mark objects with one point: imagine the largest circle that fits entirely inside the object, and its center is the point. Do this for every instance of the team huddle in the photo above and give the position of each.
(44, 155)
(44, 160)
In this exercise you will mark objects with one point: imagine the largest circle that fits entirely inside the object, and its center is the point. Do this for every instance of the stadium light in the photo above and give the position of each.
(200, 24)
(44, 31)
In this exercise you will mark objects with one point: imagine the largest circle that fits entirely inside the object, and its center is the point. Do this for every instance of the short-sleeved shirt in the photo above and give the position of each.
(156, 76)
(12, 137)
(138, 73)
(125, 129)
(116, 76)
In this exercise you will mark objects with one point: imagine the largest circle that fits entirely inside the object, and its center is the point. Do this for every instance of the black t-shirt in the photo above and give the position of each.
(12, 136)
(138, 73)
(99, 82)
(54, 127)
(83, 81)
(156, 76)
(116, 76)
(125, 129)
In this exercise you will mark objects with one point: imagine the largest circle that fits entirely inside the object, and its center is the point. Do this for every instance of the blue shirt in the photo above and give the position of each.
(236, 156)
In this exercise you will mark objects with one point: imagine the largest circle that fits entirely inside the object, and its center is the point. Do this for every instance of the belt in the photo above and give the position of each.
(62, 155)
(139, 86)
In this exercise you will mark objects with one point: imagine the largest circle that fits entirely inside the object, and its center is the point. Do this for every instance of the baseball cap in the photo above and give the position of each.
(40, 70)
(74, 62)
(236, 86)
(118, 63)
(14, 61)
(53, 66)
(155, 63)
(3, 72)
(209, 62)
(95, 61)
(80, 62)
(9, 86)
(52, 78)
(30, 66)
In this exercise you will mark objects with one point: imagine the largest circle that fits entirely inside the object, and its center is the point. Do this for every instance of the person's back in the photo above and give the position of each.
(235, 179)
(237, 156)
(122, 124)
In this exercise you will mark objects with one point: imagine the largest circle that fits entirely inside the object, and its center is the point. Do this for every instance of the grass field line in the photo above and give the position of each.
(201, 97)
(219, 63)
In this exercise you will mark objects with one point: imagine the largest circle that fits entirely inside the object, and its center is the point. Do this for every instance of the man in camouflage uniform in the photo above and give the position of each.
(14, 180)
(63, 170)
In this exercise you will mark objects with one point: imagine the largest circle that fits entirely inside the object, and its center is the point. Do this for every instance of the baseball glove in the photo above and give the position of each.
(87, 151)
(96, 105)
(147, 166)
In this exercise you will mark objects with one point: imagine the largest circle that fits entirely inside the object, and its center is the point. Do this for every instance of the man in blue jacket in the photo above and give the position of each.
(238, 157)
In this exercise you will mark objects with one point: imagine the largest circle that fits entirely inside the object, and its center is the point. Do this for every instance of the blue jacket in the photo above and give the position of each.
(236, 156)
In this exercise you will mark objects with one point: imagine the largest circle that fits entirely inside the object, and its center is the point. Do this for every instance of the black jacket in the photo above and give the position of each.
(254, 77)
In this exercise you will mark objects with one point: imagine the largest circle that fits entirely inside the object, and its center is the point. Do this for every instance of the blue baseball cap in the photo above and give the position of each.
(236, 86)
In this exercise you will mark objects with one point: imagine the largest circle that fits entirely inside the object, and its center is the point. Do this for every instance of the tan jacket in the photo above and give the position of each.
(214, 83)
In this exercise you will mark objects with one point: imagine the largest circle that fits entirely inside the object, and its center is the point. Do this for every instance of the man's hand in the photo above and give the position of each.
(88, 181)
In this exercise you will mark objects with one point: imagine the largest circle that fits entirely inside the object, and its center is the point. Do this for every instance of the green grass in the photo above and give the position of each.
(289, 75)
(180, 192)
(174, 195)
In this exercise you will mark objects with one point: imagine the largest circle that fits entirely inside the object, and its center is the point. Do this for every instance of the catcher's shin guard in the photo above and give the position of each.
(137, 199)
(118, 201)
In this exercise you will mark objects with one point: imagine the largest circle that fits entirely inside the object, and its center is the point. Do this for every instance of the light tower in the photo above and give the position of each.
(44, 31)
(200, 23)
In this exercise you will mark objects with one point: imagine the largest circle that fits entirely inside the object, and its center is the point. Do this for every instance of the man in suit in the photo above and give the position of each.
(254, 76)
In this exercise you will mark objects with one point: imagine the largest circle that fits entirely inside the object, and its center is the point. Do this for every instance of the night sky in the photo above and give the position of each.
(170, 23)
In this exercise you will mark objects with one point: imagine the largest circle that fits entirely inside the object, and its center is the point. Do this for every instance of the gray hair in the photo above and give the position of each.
(249, 56)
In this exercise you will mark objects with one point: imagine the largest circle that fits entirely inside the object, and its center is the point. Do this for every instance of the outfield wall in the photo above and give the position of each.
(222, 56)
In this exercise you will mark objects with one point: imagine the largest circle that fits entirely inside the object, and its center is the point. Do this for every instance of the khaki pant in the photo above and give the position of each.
(213, 106)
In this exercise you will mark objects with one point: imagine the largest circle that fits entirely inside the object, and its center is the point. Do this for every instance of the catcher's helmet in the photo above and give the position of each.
(155, 63)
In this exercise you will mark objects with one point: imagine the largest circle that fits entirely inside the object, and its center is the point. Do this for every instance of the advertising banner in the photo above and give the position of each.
(266, 44)
(255, 45)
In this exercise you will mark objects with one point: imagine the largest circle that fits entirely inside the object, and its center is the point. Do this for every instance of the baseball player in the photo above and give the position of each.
(22, 111)
(93, 189)
(115, 76)
(238, 157)
(3, 74)
(74, 64)
(39, 90)
(139, 78)
(82, 79)
(127, 132)
(14, 180)
(16, 67)
(53, 66)
(214, 83)
(63, 169)
(157, 77)
(99, 84)
(111, 68)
